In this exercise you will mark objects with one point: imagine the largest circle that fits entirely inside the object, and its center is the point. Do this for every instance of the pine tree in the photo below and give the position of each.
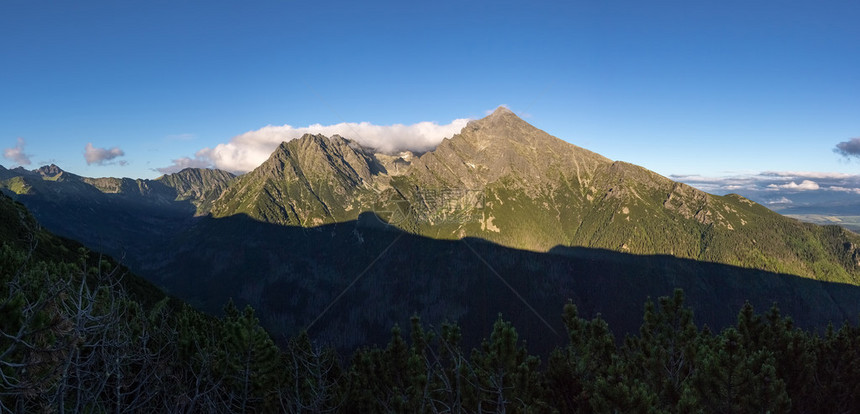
(732, 379)
(837, 377)
(504, 375)
(449, 384)
(664, 356)
(311, 379)
(250, 361)
(572, 371)
(792, 351)
(619, 390)
(393, 379)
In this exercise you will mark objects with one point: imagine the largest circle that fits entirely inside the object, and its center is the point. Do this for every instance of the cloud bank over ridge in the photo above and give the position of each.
(787, 190)
(246, 151)
(772, 181)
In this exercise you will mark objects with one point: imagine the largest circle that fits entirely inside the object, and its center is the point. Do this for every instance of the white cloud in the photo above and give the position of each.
(100, 156)
(785, 190)
(793, 175)
(16, 154)
(774, 181)
(247, 151)
(805, 185)
(782, 200)
(844, 189)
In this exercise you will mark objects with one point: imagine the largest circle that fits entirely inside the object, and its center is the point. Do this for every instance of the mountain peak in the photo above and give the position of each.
(504, 146)
(197, 172)
(502, 122)
(502, 110)
(318, 141)
(307, 181)
(501, 116)
(50, 171)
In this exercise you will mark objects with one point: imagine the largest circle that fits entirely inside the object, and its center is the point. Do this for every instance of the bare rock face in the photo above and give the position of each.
(503, 146)
(688, 202)
(397, 164)
(854, 251)
(50, 171)
(200, 186)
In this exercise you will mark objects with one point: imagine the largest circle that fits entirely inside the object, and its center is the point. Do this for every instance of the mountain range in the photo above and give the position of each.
(333, 237)
(508, 182)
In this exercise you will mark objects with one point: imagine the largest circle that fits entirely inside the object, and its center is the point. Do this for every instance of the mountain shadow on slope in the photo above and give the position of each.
(526, 189)
(291, 274)
(119, 216)
(20, 232)
(349, 283)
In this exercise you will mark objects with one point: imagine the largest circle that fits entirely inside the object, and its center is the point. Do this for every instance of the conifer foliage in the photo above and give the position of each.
(72, 339)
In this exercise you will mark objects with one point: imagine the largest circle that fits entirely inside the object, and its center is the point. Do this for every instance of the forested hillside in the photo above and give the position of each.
(348, 283)
(78, 333)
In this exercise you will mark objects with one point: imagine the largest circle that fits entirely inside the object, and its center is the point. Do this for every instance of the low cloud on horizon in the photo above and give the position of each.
(805, 185)
(247, 151)
(101, 156)
(783, 188)
(16, 154)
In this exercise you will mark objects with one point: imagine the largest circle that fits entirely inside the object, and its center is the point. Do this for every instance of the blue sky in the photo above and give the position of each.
(685, 88)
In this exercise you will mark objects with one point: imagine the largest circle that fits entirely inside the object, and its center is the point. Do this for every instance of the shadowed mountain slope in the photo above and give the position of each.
(443, 234)
(349, 282)
(503, 180)
(308, 181)
(119, 216)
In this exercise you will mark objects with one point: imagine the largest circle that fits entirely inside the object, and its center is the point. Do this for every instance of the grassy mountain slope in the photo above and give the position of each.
(308, 181)
(561, 221)
(540, 192)
(20, 232)
(503, 146)
(503, 180)
(197, 186)
(200, 186)
(121, 217)
(292, 274)
(499, 179)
